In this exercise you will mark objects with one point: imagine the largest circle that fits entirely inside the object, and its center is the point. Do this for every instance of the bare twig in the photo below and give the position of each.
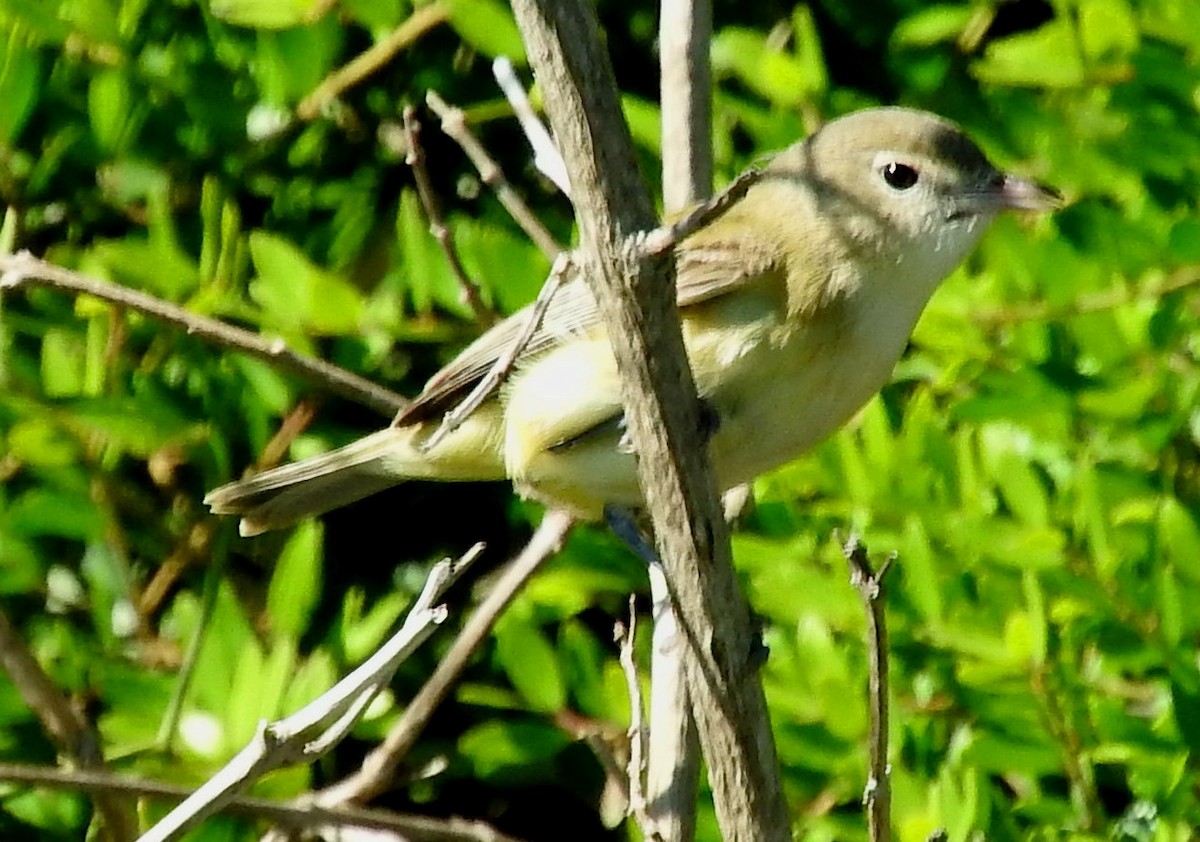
(504, 364)
(319, 725)
(635, 295)
(684, 36)
(673, 761)
(454, 124)
(877, 796)
(546, 156)
(673, 765)
(297, 420)
(310, 817)
(379, 767)
(665, 237)
(363, 65)
(23, 269)
(626, 637)
(66, 726)
(415, 159)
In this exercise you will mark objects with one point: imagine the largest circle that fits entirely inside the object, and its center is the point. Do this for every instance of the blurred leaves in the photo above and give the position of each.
(1033, 464)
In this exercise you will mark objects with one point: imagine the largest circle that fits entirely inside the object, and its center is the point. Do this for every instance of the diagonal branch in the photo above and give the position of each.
(314, 729)
(23, 269)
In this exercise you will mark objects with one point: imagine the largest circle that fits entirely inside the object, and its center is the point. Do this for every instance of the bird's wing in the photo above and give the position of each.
(707, 268)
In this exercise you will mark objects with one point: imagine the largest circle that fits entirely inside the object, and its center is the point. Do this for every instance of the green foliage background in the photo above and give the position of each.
(1034, 462)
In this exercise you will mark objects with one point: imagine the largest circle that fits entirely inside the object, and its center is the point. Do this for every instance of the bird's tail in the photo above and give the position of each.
(281, 496)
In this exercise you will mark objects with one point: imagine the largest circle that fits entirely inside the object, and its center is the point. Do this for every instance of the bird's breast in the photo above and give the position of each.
(805, 382)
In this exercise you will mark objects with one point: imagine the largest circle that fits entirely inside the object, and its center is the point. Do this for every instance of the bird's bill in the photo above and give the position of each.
(1016, 193)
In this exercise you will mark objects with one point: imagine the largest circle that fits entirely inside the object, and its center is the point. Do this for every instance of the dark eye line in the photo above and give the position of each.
(899, 176)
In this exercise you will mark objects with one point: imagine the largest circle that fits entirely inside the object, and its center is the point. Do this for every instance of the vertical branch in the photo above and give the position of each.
(673, 762)
(877, 796)
(635, 293)
(673, 756)
(684, 34)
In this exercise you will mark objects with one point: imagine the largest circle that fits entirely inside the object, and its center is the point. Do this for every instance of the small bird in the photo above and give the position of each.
(795, 305)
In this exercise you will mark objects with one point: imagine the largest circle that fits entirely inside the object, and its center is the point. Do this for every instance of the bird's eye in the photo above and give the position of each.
(899, 176)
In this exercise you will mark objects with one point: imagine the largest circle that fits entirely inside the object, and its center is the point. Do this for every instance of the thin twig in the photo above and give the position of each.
(665, 237)
(319, 725)
(310, 817)
(877, 795)
(454, 124)
(415, 158)
(673, 759)
(504, 364)
(23, 269)
(363, 65)
(685, 73)
(626, 636)
(379, 768)
(66, 726)
(546, 156)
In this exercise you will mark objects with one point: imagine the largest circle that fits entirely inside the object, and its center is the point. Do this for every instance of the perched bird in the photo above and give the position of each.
(795, 306)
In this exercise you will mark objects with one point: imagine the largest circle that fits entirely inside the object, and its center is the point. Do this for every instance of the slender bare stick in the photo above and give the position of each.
(454, 124)
(665, 237)
(23, 269)
(415, 158)
(64, 724)
(673, 761)
(673, 765)
(684, 37)
(546, 156)
(310, 818)
(626, 637)
(379, 768)
(636, 297)
(319, 725)
(504, 364)
(379, 54)
(877, 796)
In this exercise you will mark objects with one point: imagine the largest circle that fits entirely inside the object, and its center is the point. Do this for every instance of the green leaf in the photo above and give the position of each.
(777, 76)
(932, 25)
(531, 664)
(265, 14)
(1108, 29)
(43, 511)
(497, 747)
(141, 427)
(109, 109)
(1184, 242)
(488, 26)
(156, 266)
(295, 293)
(64, 355)
(921, 580)
(1047, 57)
(295, 585)
(20, 83)
(1021, 489)
(1179, 537)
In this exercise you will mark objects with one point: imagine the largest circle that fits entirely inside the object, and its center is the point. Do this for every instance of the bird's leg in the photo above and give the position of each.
(624, 525)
